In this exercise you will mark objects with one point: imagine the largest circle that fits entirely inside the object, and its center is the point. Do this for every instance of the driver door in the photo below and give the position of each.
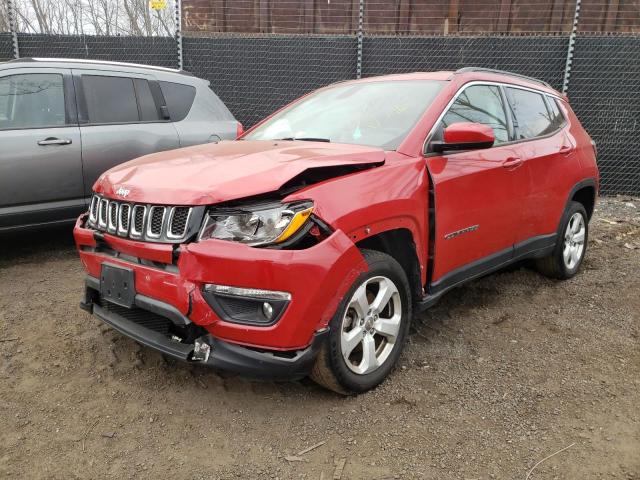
(478, 194)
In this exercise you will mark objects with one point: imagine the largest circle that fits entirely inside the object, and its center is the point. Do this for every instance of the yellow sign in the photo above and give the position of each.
(158, 4)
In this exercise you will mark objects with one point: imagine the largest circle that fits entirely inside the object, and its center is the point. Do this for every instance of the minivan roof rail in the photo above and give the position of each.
(501, 72)
(97, 62)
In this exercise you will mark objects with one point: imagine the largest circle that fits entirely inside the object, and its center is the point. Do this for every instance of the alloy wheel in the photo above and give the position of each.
(371, 325)
(574, 237)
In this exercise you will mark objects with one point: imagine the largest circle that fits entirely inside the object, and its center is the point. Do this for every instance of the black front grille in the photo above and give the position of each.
(124, 217)
(113, 213)
(155, 223)
(157, 215)
(179, 221)
(138, 221)
(103, 210)
(94, 207)
(144, 318)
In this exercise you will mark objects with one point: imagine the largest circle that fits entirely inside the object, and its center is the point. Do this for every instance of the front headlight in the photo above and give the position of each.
(257, 223)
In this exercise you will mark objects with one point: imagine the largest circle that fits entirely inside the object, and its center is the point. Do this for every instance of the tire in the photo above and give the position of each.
(368, 332)
(560, 265)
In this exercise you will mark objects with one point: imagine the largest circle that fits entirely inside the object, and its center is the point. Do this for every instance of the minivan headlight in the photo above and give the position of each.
(256, 223)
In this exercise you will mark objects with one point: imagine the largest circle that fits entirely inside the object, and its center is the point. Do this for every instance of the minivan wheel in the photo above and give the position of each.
(368, 332)
(571, 244)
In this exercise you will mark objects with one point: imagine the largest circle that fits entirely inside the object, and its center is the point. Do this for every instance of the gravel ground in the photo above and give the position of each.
(500, 374)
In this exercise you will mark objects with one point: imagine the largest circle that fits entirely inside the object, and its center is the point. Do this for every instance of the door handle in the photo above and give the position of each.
(54, 141)
(512, 163)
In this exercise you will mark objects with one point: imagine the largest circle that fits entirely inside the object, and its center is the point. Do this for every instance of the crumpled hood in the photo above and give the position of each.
(213, 173)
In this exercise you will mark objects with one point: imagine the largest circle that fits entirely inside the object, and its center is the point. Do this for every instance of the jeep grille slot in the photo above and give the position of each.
(102, 216)
(158, 223)
(123, 219)
(154, 229)
(178, 221)
(93, 211)
(139, 212)
(113, 217)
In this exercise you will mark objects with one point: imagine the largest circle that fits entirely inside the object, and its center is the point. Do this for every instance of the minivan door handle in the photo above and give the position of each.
(54, 141)
(512, 163)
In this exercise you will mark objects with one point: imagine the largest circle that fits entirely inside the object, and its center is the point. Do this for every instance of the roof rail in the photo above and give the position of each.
(501, 72)
(90, 61)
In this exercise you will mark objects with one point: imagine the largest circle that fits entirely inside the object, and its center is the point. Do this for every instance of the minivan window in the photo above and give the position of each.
(531, 114)
(33, 100)
(110, 99)
(480, 104)
(179, 99)
(378, 113)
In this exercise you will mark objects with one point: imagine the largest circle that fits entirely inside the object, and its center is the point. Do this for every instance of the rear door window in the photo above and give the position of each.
(532, 118)
(179, 98)
(33, 100)
(480, 104)
(110, 99)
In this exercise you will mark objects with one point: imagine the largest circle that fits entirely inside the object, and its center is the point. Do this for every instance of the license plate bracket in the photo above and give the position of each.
(117, 285)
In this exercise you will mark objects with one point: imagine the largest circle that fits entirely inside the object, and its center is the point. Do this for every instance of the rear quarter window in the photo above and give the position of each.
(557, 118)
(532, 116)
(179, 98)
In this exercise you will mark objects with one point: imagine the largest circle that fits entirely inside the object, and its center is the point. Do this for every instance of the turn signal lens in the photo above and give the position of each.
(294, 225)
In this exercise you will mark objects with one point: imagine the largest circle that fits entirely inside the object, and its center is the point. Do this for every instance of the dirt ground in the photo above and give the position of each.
(499, 375)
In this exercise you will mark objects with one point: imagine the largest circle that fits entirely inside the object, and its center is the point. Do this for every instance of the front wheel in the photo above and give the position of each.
(571, 245)
(368, 332)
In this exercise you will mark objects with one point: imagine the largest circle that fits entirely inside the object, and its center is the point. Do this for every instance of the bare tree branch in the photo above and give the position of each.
(98, 17)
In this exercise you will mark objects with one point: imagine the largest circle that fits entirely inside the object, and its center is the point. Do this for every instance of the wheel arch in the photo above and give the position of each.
(584, 192)
(400, 245)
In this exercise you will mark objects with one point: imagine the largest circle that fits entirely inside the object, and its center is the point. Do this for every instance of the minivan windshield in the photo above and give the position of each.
(378, 114)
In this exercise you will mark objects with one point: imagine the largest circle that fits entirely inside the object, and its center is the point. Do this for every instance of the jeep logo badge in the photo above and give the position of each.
(123, 192)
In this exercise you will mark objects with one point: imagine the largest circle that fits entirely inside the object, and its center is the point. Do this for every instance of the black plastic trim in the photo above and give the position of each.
(251, 362)
(534, 247)
(216, 302)
(143, 335)
(588, 182)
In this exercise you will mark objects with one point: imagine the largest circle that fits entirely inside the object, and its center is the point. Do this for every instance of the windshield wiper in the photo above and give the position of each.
(307, 139)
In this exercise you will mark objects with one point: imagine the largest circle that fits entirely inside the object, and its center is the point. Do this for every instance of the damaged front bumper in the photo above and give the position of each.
(184, 341)
(172, 310)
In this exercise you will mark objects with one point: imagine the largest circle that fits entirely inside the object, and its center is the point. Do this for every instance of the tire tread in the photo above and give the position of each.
(322, 373)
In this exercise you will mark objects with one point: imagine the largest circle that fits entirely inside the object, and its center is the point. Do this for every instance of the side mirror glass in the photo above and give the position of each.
(465, 136)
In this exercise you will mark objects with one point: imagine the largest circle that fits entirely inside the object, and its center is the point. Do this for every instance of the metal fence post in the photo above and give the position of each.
(360, 38)
(571, 48)
(13, 26)
(178, 17)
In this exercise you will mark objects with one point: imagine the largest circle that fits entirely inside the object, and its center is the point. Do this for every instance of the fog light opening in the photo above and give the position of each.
(267, 310)
(201, 351)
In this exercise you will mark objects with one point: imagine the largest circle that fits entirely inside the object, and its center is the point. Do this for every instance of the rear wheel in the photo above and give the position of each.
(571, 245)
(369, 329)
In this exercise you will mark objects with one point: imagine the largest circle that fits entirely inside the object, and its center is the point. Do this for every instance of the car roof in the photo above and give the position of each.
(95, 64)
(469, 74)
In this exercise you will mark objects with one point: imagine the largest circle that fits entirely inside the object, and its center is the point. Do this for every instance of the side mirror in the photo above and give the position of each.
(465, 136)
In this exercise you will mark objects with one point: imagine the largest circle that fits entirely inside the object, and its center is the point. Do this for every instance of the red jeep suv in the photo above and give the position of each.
(305, 247)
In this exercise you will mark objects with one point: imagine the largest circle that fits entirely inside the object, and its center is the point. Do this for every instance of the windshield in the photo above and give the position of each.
(378, 114)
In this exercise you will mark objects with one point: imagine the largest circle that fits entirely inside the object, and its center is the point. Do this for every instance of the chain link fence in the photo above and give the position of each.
(537, 56)
(255, 76)
(159, 51)
(6, 47)
(259, 55)
(605, 93)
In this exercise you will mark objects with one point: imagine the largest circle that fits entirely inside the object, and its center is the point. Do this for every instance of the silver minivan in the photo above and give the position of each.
(64, 122)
